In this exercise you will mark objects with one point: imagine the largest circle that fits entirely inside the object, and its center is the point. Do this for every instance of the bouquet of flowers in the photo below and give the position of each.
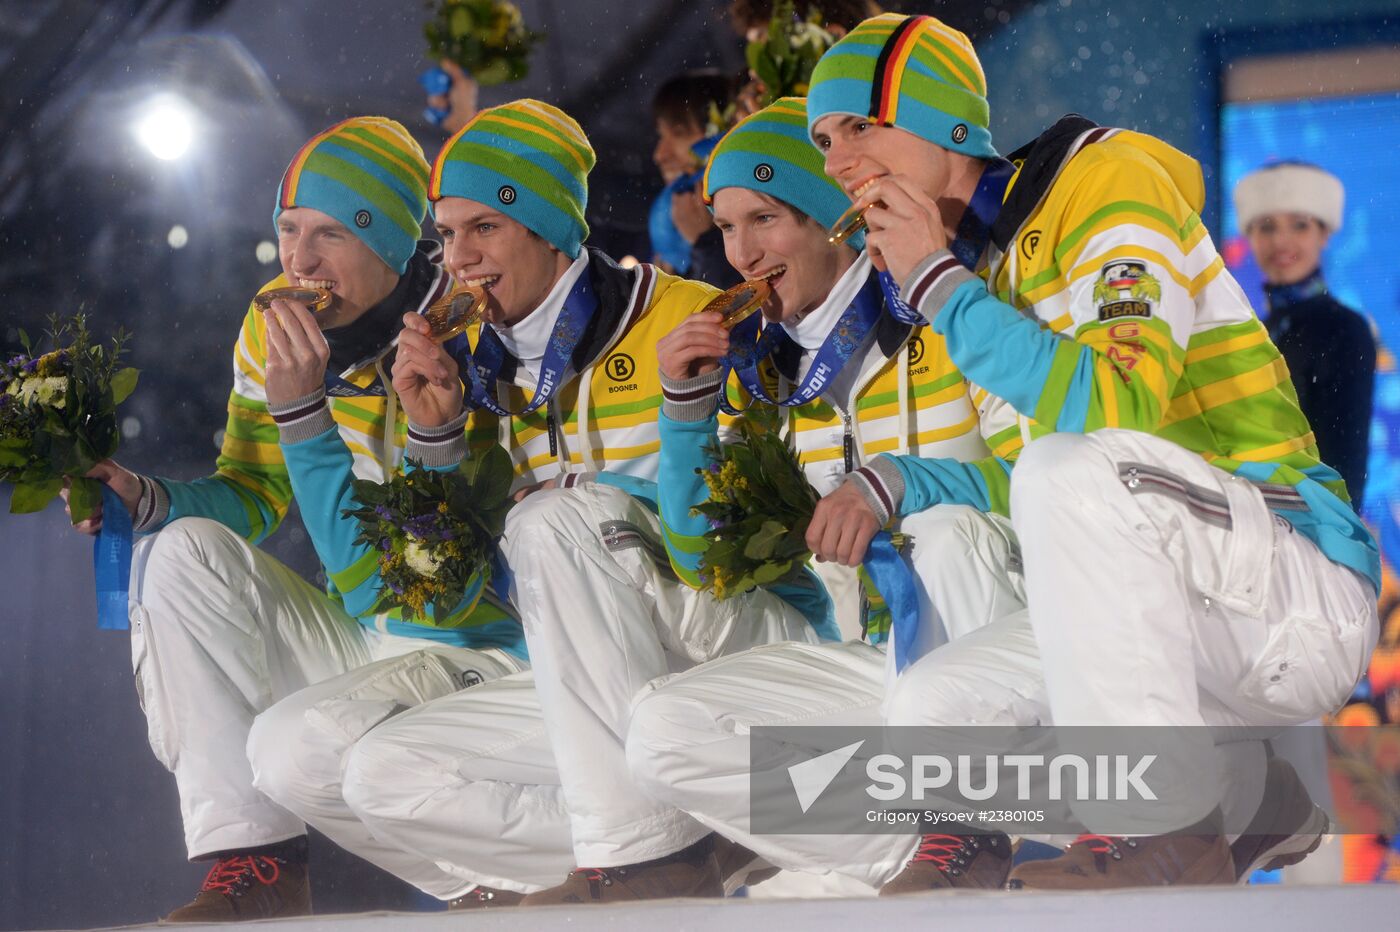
(488, 38)
(781, 65)
(759, 507)
(435, 532)
(58, 416)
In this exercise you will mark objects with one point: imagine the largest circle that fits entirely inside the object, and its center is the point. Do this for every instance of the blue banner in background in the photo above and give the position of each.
(1353, 137)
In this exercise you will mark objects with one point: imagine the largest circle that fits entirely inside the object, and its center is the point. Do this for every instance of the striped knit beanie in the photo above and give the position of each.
(769, 152)
(369, 174)
(528, 160)
(912, 72)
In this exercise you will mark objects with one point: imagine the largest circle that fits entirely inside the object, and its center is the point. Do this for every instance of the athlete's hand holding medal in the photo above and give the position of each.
(425, 376)
(903, 224)
(698, 343)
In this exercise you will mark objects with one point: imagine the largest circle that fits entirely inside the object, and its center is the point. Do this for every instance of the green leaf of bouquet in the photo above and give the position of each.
(769, 573)
(24, 341)
(123, 384)
(496, 72)
(494, 478)
(459, 22)
(83, 498)
(753, 53)
(29, 497)
(371, 493)
(760, 545)
(767, 72)
(13, 452)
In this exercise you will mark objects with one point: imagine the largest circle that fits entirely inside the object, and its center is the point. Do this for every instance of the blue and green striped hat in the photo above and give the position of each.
(368, 173)
(527, 159)
(769, 152)
(913, 72)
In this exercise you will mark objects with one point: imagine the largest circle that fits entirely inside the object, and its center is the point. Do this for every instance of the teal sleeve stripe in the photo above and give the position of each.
(321, 470)
(1074, 409)
(681, 488)
(808, 595)
(995, 346)
(643, 490)
(929, 482)
(221, 500)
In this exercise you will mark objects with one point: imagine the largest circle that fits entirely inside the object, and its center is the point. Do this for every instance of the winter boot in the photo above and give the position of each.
(954, 862)
(690, 872)
(261, 883)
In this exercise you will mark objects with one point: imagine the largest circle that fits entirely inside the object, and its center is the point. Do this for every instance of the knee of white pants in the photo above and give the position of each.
(189, 539)
(375, 787)
(556, 513)
(924, 694)
(664, 730)
(166, 558)
(1053, 465)
(946, 537)
(284, 766)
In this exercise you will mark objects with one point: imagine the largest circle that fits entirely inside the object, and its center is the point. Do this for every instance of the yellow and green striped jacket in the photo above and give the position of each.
(1111, 307)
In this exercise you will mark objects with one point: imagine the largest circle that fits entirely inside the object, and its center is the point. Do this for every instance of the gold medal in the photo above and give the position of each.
(848, 224)
(456, 312)
(316, 299)
(739, 302)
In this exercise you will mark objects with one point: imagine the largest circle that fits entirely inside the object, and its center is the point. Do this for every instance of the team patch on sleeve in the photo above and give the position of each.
(1126, 289)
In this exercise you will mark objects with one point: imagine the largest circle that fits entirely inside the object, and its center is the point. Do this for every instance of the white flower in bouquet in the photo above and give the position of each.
(420, 559)
(48, 390)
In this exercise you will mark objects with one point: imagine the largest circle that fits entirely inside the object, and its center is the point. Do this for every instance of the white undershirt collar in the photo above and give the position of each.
(811, 331)
(529, 338)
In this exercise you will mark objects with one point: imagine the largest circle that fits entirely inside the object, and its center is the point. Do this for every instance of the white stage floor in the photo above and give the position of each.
(1244, 909)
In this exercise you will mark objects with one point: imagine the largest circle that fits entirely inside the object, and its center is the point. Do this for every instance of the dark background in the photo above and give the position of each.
(89, 828)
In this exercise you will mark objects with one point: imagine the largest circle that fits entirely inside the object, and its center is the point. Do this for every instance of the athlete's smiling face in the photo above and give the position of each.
(482, 246)
(859, 151)
(765, 238)
(318, 251)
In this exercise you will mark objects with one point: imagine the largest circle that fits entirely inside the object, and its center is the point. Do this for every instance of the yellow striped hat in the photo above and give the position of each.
(913, 72)
(369, 174)
(527, 159)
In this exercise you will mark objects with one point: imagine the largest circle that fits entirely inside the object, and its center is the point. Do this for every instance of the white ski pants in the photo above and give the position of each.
(1163, 592)
(689, 739)
(527, 778)
(255, 684)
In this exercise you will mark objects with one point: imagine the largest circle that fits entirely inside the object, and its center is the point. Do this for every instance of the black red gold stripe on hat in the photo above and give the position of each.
(293, 173)
(889, 69)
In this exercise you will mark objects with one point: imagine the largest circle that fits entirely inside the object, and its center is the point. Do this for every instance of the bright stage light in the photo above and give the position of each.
(166, 128)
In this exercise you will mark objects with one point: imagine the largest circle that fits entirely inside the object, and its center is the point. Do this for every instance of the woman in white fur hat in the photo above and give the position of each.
(1288, 210)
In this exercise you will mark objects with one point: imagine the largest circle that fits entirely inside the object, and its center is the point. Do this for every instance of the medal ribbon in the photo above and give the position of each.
(111, 563)
(483, 367)
(974, 232)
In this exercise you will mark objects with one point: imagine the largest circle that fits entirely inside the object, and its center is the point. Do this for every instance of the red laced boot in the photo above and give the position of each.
(954, 862)
(1103, 862)
(250, 886)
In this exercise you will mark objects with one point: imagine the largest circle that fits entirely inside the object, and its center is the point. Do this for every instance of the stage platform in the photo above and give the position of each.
(1339, 909)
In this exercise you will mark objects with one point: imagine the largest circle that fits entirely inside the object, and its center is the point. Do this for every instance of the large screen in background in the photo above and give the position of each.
(1357, 138)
